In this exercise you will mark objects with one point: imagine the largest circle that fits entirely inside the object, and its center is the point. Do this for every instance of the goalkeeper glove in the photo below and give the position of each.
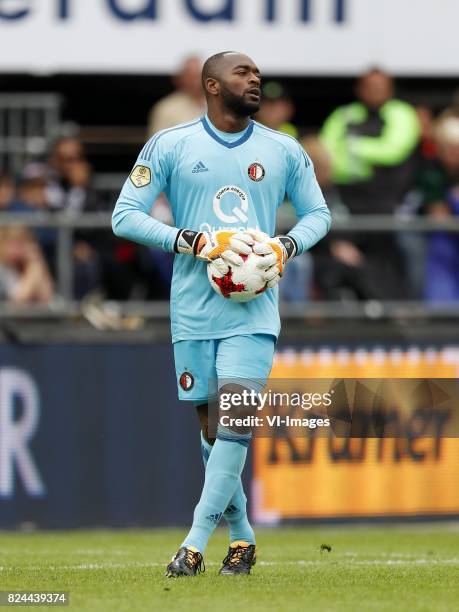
(277, 251)
(207, 246)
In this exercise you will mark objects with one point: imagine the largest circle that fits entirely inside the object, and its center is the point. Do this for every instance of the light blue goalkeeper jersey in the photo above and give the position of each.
(216, 180)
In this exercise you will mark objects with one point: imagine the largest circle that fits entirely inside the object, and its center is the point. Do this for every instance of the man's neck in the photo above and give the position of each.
(227, 122)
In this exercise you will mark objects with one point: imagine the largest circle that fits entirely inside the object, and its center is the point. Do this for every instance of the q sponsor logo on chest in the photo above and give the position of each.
(239, 210)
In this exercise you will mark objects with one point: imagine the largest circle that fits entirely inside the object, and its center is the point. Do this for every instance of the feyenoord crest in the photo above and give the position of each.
(186, 381)
(256, 172)
(141, 176)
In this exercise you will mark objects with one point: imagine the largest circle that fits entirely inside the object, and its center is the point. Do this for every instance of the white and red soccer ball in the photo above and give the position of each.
(239, 283)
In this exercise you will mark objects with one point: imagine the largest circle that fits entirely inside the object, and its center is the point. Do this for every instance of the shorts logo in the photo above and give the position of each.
(239, 212)
(141, 176)
(186, 381)
(256, 172)
(214, 518)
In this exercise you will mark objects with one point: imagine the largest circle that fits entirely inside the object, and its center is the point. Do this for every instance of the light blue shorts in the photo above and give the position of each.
(202, 366)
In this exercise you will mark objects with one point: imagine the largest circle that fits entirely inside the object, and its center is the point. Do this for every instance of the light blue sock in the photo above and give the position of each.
(236, 511)
(223, 471)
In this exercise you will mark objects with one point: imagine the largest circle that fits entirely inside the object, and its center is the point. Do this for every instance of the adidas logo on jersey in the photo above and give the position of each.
(200, 167)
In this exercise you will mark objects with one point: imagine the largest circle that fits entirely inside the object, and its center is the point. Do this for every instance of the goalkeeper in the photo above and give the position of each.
(224, 175)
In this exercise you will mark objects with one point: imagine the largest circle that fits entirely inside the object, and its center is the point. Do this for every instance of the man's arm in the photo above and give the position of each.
(131, 218)
(397, 141)
(314, 218)
(303, 190)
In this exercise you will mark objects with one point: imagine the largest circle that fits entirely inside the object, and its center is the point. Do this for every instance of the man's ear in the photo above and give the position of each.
(212, 86)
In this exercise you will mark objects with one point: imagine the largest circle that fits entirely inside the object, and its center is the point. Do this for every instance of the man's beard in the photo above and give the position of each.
(238, 104)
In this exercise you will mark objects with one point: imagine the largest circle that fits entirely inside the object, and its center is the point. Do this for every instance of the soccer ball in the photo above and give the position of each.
(238, 283)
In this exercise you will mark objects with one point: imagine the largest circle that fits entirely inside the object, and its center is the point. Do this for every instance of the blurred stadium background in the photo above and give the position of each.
(87, 390)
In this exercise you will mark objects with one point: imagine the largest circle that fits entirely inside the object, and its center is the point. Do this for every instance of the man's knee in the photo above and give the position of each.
(237, 407)
(203, 415)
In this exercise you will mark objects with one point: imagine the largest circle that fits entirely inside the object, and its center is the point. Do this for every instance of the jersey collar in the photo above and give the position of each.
(230, 145)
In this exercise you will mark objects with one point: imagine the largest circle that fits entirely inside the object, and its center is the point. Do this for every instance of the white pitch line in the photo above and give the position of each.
(301, 562)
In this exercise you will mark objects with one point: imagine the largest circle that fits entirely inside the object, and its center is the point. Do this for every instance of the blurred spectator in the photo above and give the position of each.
(438, 186)
(184, 104)
(297, 284)
(277, 109)
(339, 267)
(69, 189)
(453, 108)
(24, 275)
(69, 177)
(427, 145)
(372, 143)
(412, 245)
(323, 169)
(7, 191)
(67, 174)
(341, 270)
(32, 197)
(63, 184)
(373, 146)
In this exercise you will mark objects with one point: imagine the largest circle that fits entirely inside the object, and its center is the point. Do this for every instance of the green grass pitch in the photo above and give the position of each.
(394, 568)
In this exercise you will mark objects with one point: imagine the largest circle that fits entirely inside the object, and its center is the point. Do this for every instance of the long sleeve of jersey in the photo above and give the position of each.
(303, 191)
(131, 218)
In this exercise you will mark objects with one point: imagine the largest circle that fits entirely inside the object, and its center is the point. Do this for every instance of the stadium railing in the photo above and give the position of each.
(28, 122)
(63, 306)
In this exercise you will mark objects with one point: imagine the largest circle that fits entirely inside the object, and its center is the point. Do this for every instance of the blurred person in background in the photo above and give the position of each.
(24, 275)
(63, 184)
(427, 145)
(412, 245)
(323, 169)
(339, 268)
(186, 103)
(453, 109)
(438, 186)
(69, 189)
(31, 197)
(297, 285)
(277, 109)
(373, 143)
(68, 176)
(7, 191)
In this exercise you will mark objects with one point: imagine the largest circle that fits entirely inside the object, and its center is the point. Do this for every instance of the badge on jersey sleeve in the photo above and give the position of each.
(141, 176)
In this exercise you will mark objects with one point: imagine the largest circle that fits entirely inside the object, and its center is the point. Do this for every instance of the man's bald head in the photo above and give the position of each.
(216, 65)
(234, 79)
(213, 65)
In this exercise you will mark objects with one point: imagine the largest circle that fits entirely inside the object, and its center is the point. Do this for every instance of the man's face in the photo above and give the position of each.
(189, 79)
(66, 153)
(448, 152)
(375, 89)
(240, 85)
